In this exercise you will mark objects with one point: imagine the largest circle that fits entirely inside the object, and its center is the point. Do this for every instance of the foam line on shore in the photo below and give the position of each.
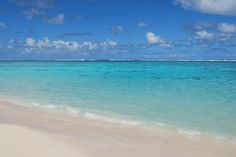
(119, 121)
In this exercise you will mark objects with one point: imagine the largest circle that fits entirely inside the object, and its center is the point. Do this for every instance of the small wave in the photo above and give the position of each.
(88, 115)
(160, 124)
(111, 120)
(61, 107)
(120, 121)
(189, 132)
(35, 104)
(51, 106)
(72, 110)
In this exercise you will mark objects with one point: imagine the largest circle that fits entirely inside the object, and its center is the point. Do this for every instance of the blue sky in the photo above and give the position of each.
(118, 29)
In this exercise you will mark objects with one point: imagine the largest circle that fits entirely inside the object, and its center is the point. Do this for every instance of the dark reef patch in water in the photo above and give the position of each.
(197, 78)
(156, 77)
(41, 70)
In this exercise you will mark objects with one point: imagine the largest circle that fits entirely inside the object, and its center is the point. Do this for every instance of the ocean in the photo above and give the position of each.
(196, 98)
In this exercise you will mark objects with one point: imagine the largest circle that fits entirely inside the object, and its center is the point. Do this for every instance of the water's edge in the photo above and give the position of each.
(114, 119)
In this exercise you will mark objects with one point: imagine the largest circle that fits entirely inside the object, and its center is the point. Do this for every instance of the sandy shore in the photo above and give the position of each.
(27, 131)
(25, 142)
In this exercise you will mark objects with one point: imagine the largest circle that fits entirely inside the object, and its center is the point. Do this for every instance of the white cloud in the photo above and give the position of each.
(203, 35)
(226, 28)
(32, 12)
(117, 29)
(154, 39)
(219, 7)
(87, 45)
(46, 43)
(108, 43)
(10, 44)
(32, 45)
(203, 26)
(11, 41)
(43, 43)
(30, 42)
(212, 34)
(60, 44)
(57, 19)
(3, 25)
(142, 24)
(224, 37)
(35, 3)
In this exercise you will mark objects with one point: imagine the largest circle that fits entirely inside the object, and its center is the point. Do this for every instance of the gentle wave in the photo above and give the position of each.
(189, 132)
(161, 125)
(89, 115)
(111, 120)
(93, 116)
(56, 107)
(118, 121)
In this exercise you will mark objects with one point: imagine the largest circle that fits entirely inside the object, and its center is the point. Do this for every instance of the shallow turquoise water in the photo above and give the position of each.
(189, 95)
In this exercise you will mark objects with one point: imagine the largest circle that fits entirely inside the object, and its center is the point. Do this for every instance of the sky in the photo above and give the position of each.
(118, 29)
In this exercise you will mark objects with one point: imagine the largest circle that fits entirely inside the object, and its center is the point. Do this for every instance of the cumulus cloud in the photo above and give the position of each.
(117, 29)
(10, 43)
(211, 35)
(203, 26)
(219, 7)
(88, 45)
(35, 3)
(32, 12)
(30, 42)
(154, 39)
(204, 35)
(40, 45)
(3, 25)
(108, 43)
(213, 39)
(142, 24)
(192, 27)
(57, 19)
(226, 28)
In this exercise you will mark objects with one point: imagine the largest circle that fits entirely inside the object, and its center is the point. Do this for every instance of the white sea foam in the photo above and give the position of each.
(35, 104)
(66, 108)
(88, 115)
(111, 120)
(93, 116)
(51, 106)
(160, 124)
(189, 132)
(72, 110)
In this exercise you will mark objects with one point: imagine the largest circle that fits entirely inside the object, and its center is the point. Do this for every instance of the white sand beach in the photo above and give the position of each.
(27, 131)
(22, 141)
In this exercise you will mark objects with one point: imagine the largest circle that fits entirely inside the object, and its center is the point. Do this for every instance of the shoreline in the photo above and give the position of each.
(96, 138)
(112, 119)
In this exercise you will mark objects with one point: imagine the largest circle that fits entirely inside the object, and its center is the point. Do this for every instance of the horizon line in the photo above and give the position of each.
(121, 60)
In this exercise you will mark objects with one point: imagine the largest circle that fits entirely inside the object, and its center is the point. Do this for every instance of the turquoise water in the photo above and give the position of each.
(197, 96)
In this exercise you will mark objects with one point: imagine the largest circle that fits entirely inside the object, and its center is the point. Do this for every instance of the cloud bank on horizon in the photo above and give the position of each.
(118, 29)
